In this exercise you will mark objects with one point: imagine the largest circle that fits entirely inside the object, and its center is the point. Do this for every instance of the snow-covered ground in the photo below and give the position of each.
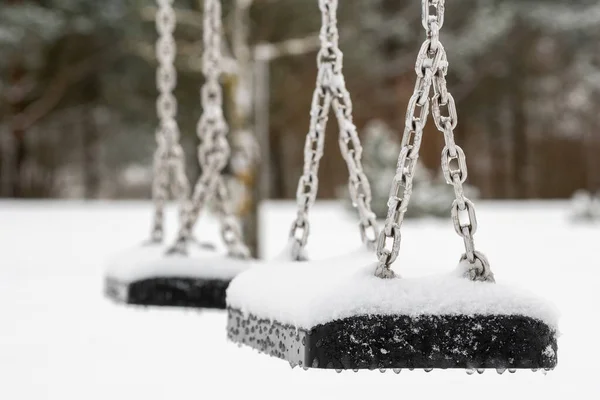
(60, 339)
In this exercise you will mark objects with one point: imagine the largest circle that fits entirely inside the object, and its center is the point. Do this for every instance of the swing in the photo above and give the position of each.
(185, 275)
(345, 315)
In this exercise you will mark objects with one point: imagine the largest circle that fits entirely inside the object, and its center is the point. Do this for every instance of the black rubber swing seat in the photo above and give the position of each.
(148, 277)
(169, 292)
(402, 341)
(405, 323)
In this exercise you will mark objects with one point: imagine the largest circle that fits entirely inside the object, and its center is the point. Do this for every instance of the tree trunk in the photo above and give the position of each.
(241, 88)
(19, 150)
(518, 101)
(91, 153)
(519, 142)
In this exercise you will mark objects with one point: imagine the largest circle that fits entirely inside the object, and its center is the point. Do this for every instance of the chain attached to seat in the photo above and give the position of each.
(214, 150)
(431, 68)
(169, 158)
(331, 91)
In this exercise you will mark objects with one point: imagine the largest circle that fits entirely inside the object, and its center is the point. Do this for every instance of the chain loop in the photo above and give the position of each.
(214, 150)
(477, 269)
(442, 121)
(431, 69)
(169, 158)
(385, 255)
(330, 91)
(448, 170)
(428, 18)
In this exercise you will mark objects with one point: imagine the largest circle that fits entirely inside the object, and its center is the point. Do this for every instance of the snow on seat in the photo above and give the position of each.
(146, 275)
(150, 261)
(339, 315)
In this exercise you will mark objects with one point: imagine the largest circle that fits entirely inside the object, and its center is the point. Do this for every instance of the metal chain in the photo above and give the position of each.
(350, 146)
(330, 91)
(214, 150)
(431, 68)
(231, 231)
(169, 158)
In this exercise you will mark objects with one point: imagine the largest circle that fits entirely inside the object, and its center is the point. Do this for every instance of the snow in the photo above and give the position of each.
(306, 294)
(147, 261)
(61, 339)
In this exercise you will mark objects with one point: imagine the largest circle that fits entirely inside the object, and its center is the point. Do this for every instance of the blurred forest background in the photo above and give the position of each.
(77, 91)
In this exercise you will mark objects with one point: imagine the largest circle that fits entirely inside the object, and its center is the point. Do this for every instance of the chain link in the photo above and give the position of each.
(231, 231)
(169, 158)
(330, 91)
(214, 151)
(431, 69)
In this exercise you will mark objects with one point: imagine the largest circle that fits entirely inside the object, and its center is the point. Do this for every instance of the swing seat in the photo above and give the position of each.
(148, 276)
(338, 315)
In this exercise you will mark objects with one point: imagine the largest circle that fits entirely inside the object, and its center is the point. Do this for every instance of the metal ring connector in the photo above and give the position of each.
(480, 269)
(458, 225)
(448, 171)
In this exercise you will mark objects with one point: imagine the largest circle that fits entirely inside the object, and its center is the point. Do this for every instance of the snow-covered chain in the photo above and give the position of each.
(431, 69)
(214, 150)
(169, 159)
(331, 91)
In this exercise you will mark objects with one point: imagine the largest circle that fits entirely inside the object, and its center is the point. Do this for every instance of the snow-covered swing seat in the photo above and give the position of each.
(148, 276)
(341, 316)
(188, 274)
(355, 313)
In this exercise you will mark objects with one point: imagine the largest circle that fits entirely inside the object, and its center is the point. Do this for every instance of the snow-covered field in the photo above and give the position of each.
(60, 339)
